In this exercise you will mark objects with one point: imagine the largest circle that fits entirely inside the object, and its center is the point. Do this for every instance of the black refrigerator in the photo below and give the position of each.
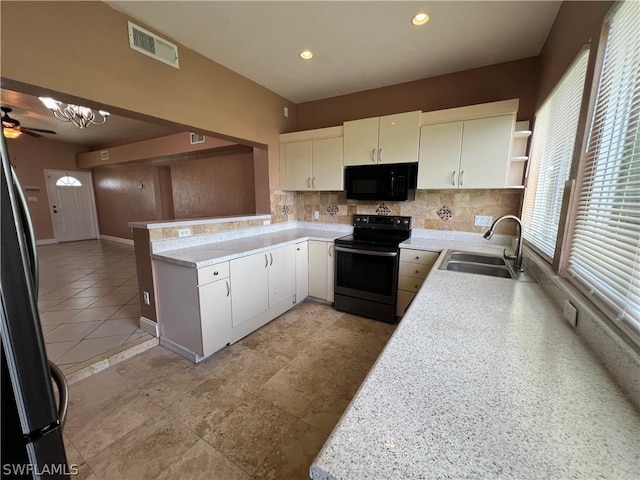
(32, 413)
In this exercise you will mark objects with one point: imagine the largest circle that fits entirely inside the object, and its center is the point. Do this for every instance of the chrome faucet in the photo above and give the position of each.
(517, 264)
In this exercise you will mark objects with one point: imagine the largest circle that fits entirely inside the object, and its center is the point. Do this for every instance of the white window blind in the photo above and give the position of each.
(551, 154)
(604, 255)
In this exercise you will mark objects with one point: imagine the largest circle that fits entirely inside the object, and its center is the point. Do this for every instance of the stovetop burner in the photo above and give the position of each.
(378, 230)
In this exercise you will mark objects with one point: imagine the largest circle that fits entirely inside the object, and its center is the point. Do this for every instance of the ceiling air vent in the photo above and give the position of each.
(196, 138)
(152, 45)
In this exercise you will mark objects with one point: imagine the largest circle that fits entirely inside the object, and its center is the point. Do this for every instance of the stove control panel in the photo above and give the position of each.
(382, 222)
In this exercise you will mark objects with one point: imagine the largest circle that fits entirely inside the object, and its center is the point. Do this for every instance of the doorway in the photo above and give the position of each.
(72, 205)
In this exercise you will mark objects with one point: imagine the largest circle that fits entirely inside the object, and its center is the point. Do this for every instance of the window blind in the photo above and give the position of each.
(605, 246)
(551, 155)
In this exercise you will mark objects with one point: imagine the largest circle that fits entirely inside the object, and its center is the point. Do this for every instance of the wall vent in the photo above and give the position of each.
(104, 155)
(196, 138)
(152, 45)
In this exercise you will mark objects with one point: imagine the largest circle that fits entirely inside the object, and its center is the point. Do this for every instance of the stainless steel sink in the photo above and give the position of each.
(491, 270)
(481, 264)
(477, 258)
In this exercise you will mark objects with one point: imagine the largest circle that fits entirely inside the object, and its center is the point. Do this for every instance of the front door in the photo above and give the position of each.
(72, 206)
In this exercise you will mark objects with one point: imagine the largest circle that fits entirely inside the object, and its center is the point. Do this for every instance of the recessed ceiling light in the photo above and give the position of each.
(420, 19)
(306, 55)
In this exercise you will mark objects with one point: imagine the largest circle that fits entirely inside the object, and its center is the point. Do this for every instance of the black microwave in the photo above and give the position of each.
(391, 182)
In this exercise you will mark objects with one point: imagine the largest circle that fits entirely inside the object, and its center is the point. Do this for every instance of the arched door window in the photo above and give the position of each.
(68, 181)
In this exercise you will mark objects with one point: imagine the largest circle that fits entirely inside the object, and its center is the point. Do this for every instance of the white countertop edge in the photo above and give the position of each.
(155, 224)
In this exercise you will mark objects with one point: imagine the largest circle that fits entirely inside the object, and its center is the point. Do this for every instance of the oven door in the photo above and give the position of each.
(368, 274)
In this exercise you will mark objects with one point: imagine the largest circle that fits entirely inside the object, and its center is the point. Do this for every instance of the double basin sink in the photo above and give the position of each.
(481, 264)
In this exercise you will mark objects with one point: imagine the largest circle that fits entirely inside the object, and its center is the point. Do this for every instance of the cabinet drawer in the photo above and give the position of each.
(414, 270)
(404, 299)
(410, 284)
(212, 273)
(418, 256)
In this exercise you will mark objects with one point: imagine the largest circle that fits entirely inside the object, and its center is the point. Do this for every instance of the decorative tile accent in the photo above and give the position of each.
(333, 210)
(445, 213)
(383, 209)
(285, 209)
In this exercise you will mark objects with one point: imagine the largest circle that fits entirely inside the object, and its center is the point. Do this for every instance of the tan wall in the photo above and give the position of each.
(120, 200)
(30, 157)
(463, 206)
(576, 24)
(503, 81)
(215, 186)
(39, 49)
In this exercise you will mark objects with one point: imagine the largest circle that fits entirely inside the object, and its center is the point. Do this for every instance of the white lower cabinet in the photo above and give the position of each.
(414, 268)
(302, 271)
(321, 269)
(194, 308)
(263, 286)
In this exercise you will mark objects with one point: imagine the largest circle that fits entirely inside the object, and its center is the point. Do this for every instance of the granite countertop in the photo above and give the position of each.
(212, 253)
(483, 379)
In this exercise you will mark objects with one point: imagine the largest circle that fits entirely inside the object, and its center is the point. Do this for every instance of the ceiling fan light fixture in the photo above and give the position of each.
(11, 133)
(80, 116)
(420, 19)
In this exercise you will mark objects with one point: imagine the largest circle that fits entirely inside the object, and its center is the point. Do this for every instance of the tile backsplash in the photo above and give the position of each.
(432, 209)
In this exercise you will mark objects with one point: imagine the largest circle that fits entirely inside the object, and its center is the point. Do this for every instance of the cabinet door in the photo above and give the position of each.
(249, 287)
(486, 143)
(318, 269)
(439, 160)
(297, 165)
(361, 142)
(215, 315)
(327, 164)
(282, 274)
(399, 138)
(302, 271)
(331, 269)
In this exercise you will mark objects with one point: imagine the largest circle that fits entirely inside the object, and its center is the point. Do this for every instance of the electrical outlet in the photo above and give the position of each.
(184, 232)
(483, 220)
(266, 222)
(570, 313)
(316, 215)
(286, 111)
(145, 298)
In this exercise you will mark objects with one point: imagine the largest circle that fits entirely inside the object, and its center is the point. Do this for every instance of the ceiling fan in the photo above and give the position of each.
(11, 127)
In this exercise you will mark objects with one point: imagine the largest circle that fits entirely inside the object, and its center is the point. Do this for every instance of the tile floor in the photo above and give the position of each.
(88, 299)
(259, 409)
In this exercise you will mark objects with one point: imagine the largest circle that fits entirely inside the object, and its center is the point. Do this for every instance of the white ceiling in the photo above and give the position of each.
(357, 45)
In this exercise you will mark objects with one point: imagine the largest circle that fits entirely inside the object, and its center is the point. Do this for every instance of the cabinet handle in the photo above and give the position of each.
(309, 182)
(373, 155)
(298, 249)
(416, 286)
(266, 261)
(228, 288)
(379, 155)
(330, 253)
(271, 255)
(313, 182)
(453, 178)
(417, 271)
(215, 274)
(417, 258)
(462, 178)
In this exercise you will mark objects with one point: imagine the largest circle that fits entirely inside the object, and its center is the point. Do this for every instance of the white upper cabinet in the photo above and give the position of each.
(312, 160)
(388, 139)
(466, 154)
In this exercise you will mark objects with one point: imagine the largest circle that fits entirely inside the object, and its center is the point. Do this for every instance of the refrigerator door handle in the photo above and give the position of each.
(63, 392)
(31, 238)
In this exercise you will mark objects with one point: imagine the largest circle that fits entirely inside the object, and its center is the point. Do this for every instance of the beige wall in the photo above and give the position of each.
(214, 186)
(503, 81)
(30, 157)
(120, 200)
(39, 48)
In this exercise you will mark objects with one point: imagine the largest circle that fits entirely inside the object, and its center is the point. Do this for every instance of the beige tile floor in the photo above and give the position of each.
(259, 409)
(88, 299)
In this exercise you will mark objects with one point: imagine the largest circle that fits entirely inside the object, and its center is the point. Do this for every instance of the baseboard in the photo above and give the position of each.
(149, 326)
(46, 241)
(126, 241)
(180, 350)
